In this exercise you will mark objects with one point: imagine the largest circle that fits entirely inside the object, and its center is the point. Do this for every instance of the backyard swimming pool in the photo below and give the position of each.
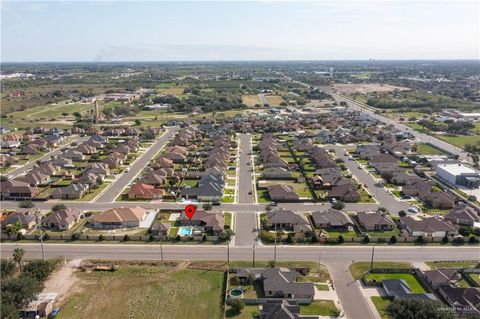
(185, 231)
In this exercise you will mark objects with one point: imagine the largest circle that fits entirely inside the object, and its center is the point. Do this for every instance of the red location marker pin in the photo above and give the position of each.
(190, 211)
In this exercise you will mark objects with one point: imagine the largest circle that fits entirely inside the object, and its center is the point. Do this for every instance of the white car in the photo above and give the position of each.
(413, 209)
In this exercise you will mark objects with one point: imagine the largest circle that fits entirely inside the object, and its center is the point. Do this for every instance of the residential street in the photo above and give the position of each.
(384, 198)
(25, 168)
(114, 189)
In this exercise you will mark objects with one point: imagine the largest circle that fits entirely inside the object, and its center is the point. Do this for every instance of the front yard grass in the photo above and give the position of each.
(146, 292)
(410, 279)
(248, 312)
(320, 308)
(359, 268)
(381, 303)
(90, 196)
(453, 264)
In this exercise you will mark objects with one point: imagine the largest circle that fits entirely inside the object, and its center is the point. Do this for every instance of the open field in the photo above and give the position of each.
(251, 100)
(459, 140)
(274, 100)
(427, 149)
(358, 269)
(453, 264)
(145, 292)
(367, 88)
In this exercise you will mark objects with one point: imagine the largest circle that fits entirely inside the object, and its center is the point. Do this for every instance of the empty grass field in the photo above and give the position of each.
(251, 100)
(460, 140)
(427, 149)
(146, 292)
(453, 264)
(274, 100)
(358, 269)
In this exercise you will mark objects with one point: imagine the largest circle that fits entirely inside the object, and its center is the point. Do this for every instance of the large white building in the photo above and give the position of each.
(459, 174)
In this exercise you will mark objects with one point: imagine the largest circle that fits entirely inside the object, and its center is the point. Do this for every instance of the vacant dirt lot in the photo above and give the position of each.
(367, 88)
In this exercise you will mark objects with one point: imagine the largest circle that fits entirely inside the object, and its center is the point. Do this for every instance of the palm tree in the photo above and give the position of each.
(18, 254)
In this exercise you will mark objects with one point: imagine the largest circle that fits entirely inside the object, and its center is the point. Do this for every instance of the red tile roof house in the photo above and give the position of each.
(346, 192)
(145, 191)
(119, 218)
(15, 189)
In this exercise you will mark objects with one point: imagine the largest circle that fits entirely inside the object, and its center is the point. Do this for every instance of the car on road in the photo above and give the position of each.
(273, 204)
(359, 167)
(127, 170)
(413, 209)
(250, 193)
(216, 203)
(248, 163)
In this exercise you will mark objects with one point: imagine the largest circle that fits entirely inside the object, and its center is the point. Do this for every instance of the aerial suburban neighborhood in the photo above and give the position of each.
(143, 181)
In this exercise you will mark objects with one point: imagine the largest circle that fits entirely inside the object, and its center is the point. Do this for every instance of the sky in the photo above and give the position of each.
(64, 31)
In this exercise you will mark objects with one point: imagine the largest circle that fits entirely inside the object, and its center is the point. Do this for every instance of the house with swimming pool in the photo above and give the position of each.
(202, 222)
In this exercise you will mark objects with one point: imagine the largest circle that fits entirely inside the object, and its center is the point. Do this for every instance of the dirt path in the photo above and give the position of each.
(63, 279)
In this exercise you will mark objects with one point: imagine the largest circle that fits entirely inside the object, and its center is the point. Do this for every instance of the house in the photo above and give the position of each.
(160, 229)
(41, 307)
(382, 158)
(210, 188)
(442, 200)
(97, 168)
(288, 220)
(346, 192)
(25, 217)
(463, 215)
(154, 179)
(376, 221)
(17, 190)
(399, 289)
(416, 187)
(123, 217)
(443, 276)
(72, 191)
(281, 283)
(62, 219)
(465, 301)
(282, 309)
(281, 192)
(332, 219)
(73, 155)
(145, 191)
(211, 222)
(34, 178)
(277, 173)
(367, 151)
(428, 227)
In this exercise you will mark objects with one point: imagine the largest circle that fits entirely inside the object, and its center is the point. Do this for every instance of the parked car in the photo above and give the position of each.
(273, 204)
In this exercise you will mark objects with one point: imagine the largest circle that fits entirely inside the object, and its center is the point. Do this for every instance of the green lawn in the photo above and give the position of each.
(90, 196)
(320, 308)
(381, 303)
(359, 268)
(384, 234)
(228, 219)
(145, 292)
(248, 312)
(427, 149)
(452, 264)
(460, 140)
(410, 279)
(322, 287)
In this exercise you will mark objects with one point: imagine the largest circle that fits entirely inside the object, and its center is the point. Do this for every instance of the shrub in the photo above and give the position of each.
(75, 237)
(38, 269)
(402, 213)
(459, 240)
(204, 237)
(381, 240)
(7, 267)
(151, 238)
(366, 239)
(101, 238)
(289, 239)
(58, 207)
(237, 306)
(338, 205)
(393, 239)
(314, 239)
(26, 204)
(340, 239)
(445, 240)
(126, 238)
(420, 240)
(472, 240)
(464, 231)
(177, 238)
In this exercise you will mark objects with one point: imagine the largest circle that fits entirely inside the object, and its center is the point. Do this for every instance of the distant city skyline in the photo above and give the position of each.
(70, 31)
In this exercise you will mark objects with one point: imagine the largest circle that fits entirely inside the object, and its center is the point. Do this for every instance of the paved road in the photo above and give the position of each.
(110, 193)
(384, 198)
(263, 100)
(29, 165)
(348, 291)
(425, 138)
(219, 252)
(245, 230)
(245, 179)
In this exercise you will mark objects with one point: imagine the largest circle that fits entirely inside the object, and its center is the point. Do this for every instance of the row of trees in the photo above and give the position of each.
(18, 289)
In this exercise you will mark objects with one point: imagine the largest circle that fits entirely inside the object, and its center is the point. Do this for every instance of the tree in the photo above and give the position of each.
(13, 228)
(126, 238)
(18, 254)
(419, 309)
(100, 237)
(464, 231)
(366, 239)
(226, 234)
(340, 239)
(38, 269)
(420, 240)
(472, 240)
(7, 267)
(402, 213)
(237, 306)
(58, 207)
(138, 122)
(393, 239)
(445, 240)
(26, 204)
(289, 239)
(21, 290)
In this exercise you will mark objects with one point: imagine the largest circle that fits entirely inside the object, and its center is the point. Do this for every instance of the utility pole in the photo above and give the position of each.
(319, 258)
(373, 254)
(275, 245)
(41, 243)
(161, 252)
(253, 256)
(228, 253)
